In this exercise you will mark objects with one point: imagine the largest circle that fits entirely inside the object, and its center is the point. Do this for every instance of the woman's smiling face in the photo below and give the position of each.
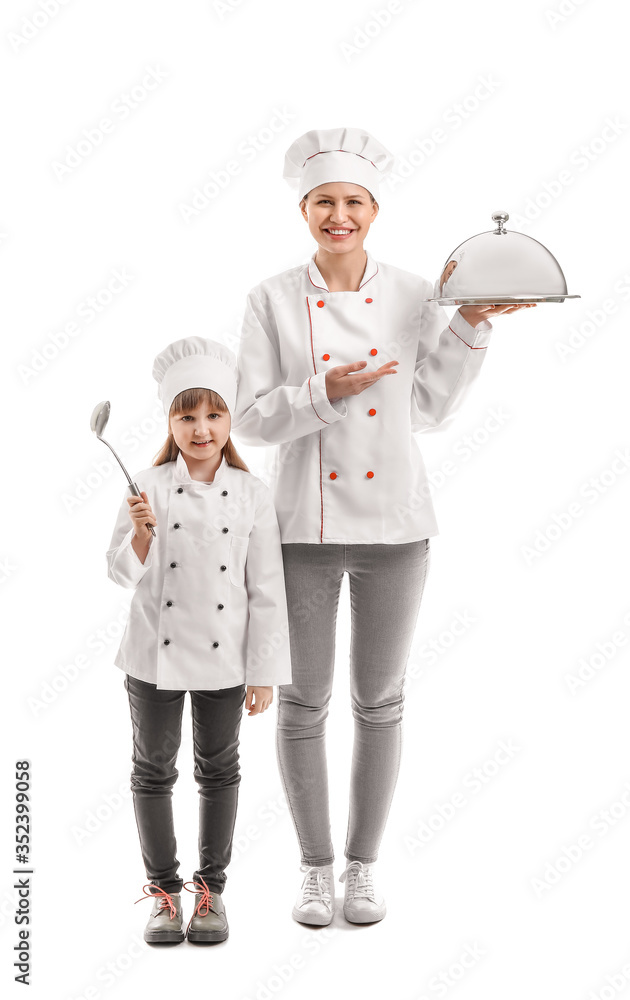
(339, 215)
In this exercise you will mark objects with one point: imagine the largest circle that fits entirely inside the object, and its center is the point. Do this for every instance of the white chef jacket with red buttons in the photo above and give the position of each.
(209, 609)
(351, 470)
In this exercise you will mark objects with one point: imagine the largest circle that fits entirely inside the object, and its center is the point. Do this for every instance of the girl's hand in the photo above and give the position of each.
(340, 381)
(476, 314)
(141, 515)
(260, 696)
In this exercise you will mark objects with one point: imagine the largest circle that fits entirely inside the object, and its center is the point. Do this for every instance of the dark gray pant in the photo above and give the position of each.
(156, 718)
(386, 586)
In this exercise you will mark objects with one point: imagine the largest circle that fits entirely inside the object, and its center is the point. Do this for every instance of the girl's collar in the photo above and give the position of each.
(371, 269)
(182, 475)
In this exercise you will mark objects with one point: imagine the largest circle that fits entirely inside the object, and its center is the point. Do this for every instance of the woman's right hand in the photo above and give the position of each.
(340, 381)
(141, 515)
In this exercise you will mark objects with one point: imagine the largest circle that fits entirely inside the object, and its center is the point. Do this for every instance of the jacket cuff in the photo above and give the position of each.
(320, 402)
(473, 336)
(129, 561)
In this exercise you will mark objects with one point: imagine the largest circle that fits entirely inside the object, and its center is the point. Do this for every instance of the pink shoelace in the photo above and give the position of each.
(165, 901)
(205, 903)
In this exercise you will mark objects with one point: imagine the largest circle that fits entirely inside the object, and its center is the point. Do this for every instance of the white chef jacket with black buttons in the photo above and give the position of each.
(209, 609)
(351, 470)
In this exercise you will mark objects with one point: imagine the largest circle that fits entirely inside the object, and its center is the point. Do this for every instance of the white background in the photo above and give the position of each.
(515, 92)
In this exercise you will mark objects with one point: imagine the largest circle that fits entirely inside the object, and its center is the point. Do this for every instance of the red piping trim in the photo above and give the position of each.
(467, 344)
(369, 279)
(310, 323)
(312, 404)
(323, 287)
(312, 282)
(321, 490)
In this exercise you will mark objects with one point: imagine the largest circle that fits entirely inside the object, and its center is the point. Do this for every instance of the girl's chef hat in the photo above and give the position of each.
(336, 154)
(196, 363)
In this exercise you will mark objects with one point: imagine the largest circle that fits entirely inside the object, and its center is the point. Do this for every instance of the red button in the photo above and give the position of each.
(369, 300)
(333, 475)
(371, 412)
(373, 351)
(320, 303)
(370, 475)
(326, 357)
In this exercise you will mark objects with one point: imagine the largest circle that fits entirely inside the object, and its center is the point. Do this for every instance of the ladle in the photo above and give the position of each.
(98, 423)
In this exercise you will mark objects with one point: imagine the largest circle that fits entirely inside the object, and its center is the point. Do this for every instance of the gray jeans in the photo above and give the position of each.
(386, 585)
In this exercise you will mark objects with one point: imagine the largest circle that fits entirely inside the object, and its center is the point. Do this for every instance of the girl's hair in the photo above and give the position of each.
(187, 400)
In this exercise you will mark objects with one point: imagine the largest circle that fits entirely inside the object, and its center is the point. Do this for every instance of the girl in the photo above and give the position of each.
(208, 616)
(340, 360)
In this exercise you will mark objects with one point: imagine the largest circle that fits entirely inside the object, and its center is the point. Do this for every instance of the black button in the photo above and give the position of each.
(166, 642)
(176, 525)
(173, 565)
(180, 489)
(224, 567)
(224, 493)
(169, 604)
(215, 644)
(224, 530)
(220, 607)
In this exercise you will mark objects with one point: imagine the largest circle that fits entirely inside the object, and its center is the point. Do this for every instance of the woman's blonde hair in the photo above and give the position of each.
(188, 400)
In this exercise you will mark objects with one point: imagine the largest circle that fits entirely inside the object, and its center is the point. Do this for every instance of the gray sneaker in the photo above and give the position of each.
(316, 900)
(209, 920)
(165, 921)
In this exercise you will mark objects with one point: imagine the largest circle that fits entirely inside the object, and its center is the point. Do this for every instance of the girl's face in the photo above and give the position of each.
(339, 216)
(201, 433)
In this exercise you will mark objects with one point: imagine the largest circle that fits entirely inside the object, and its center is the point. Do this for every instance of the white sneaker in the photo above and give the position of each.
(362, 902)
(316, 900)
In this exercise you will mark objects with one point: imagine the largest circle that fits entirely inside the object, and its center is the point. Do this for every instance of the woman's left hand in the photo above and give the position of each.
(476, 314)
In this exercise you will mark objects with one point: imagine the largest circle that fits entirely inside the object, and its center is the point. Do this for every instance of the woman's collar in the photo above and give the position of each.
(371, 268)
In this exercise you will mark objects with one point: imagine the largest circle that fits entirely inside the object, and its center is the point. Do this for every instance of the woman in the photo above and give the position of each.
(340, 360)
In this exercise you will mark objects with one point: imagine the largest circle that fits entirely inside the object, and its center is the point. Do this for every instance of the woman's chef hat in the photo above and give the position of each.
(196, 363)
(336, 154)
